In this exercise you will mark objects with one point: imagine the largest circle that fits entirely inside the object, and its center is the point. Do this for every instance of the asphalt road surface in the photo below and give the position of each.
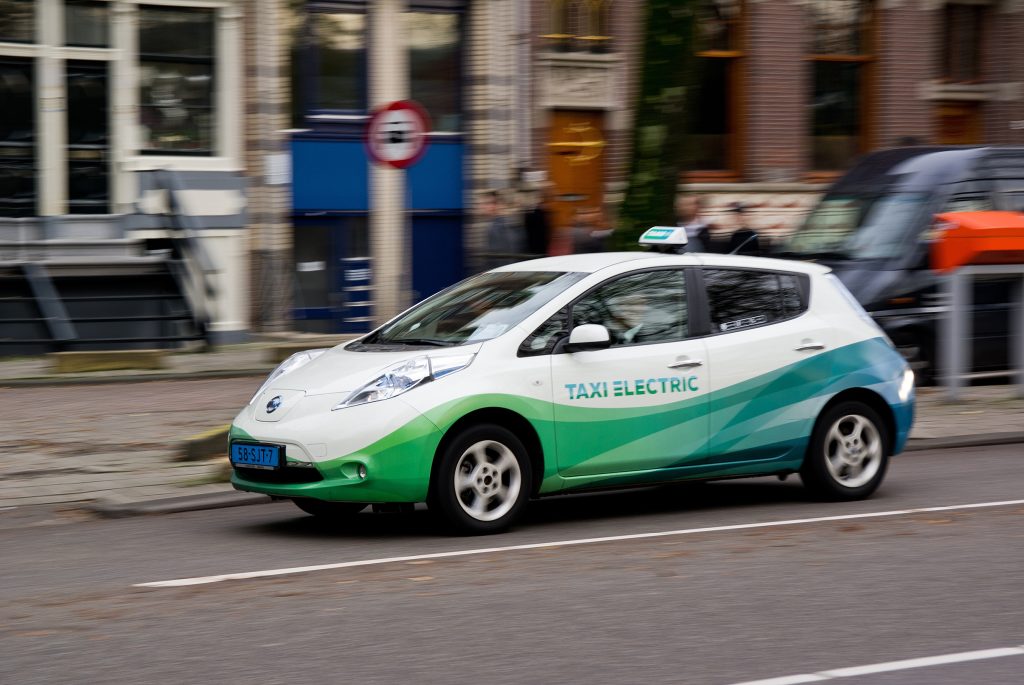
(720, 598)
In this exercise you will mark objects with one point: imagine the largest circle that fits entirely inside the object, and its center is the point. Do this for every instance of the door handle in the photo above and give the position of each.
(809, 345)
(687, 364)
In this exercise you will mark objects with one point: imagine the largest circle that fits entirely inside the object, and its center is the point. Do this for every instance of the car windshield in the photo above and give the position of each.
(858, 227)
(477, 309)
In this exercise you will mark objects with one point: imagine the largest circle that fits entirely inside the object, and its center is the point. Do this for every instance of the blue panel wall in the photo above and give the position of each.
(436, 179)
(437, 254)
(329, 174)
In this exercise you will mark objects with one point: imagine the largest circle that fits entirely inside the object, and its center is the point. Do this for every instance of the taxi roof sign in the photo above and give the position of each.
(664, 235)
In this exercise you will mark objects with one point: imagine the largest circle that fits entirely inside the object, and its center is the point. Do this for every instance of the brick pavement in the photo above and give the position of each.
(74, 443)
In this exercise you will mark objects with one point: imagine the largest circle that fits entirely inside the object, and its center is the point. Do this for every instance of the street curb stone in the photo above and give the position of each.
(174, 505)
(209, 443)
(919, 444)
(45, 381)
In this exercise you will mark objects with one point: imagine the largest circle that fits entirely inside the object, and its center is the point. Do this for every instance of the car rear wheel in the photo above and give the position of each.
(848, 454)
(483, 480)
(328, 510)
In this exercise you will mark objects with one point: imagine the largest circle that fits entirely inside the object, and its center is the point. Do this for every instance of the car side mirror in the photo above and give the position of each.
(588, 336)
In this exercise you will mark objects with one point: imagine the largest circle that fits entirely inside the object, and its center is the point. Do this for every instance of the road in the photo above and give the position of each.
(734, 603)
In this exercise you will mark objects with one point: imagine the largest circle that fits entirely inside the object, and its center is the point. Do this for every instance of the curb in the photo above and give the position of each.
(175, 505)
(44, 381)
(209, 443)
(919, 444)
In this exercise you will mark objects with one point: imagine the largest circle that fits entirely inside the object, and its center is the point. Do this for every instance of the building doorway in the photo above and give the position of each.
(576, 146)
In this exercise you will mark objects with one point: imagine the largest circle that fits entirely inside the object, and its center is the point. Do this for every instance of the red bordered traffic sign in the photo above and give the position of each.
(396, 134)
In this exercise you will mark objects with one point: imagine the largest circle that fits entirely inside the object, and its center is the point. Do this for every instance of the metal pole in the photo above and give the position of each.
(957, 329)
(1017, 336)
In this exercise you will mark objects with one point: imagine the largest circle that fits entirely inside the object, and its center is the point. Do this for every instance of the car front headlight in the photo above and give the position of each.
(297, 360)
(906, 385)
(405, 376)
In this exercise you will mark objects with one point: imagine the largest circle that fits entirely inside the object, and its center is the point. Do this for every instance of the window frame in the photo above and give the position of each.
(462, 26)
(592, 29)
(691, 302)
(212, 61)
(867, 60)
(736, 101)
(803, 282)
(949, 49)
(306, 89)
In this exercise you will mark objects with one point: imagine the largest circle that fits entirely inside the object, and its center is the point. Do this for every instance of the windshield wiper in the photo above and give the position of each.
(418, 341)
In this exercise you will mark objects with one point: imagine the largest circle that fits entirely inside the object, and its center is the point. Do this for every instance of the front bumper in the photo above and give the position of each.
(375, 453)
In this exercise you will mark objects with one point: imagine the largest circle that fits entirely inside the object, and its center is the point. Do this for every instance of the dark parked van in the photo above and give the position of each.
(872, 226)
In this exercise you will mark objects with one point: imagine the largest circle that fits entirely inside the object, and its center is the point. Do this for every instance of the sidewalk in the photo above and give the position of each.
(69, 441)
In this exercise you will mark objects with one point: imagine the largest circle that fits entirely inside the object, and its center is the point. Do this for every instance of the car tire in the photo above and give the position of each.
(848, 453)
(328, 510)
(482, 481)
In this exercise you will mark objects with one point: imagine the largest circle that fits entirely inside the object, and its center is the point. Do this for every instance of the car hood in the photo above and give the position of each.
(339, 370)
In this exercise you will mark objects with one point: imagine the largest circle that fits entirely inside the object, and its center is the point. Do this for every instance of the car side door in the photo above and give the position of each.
(769, 363)
(639, 405)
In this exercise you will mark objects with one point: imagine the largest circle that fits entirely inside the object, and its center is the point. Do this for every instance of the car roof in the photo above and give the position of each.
(592, 263)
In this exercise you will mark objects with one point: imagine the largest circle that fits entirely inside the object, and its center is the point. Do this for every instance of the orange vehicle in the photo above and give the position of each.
(977, 238)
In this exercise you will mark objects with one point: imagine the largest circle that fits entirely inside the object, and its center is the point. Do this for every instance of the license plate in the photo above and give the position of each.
(256, 456)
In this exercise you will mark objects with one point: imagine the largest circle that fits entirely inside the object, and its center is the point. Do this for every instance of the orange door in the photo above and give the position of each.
(576, 153)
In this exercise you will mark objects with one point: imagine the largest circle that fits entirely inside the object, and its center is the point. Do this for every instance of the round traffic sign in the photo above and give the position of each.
(396, 134)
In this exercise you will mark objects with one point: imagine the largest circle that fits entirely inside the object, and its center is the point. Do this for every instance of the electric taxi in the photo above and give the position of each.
(583, 372)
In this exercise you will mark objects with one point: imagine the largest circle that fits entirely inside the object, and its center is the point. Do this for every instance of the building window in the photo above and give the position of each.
(85, 24)
(339, 54)
(435, 65)
(17, 138)
(329, 69)
(176, 67)
(713, 117)
(17, 21)
(840, 55)
(88, 142)
(961, 47)
(580, 25)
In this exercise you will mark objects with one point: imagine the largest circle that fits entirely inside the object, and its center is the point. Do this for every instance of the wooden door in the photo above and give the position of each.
(576, 154)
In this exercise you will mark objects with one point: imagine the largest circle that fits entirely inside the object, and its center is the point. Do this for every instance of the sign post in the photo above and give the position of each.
(396, 138)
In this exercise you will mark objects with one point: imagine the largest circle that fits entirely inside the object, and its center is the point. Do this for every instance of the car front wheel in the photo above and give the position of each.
(848, 454)
(483, 480)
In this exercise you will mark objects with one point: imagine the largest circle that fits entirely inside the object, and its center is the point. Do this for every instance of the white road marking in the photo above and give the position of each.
(888, 666)
(203, 580)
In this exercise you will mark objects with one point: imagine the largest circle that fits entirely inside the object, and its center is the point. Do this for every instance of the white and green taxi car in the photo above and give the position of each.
(585, 372)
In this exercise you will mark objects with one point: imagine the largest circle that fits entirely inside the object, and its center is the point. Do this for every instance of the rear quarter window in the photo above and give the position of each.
(744, 298)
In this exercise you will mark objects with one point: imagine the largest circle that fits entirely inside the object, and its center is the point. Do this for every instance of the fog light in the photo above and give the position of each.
(362, 471)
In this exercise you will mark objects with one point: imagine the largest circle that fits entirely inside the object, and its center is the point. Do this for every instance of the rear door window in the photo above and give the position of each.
(744, 298)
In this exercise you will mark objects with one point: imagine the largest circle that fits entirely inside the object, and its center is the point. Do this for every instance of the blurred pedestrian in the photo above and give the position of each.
(505, 240)
(690, 215)
(744, 240)
(537, 224)
(589, 234)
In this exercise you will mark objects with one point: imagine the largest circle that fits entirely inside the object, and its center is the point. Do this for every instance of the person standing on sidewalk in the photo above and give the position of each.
(537, 225)
(505, 240)
(744, 240)
(589, 234)
(690, 215)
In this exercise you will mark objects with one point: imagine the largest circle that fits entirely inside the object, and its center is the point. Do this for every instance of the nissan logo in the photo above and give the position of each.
(273, 404)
